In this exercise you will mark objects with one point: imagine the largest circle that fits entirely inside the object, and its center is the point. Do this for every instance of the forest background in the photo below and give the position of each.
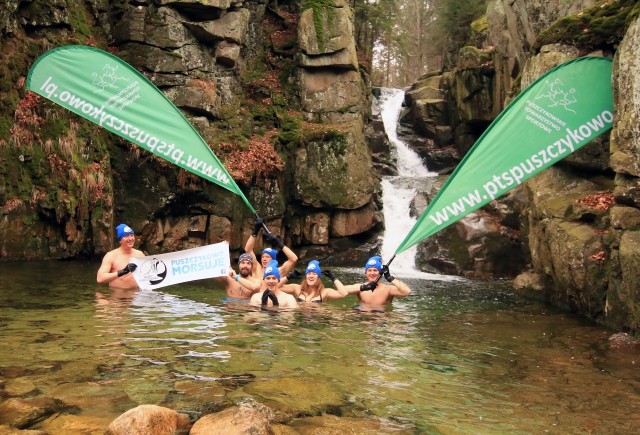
(405, 39)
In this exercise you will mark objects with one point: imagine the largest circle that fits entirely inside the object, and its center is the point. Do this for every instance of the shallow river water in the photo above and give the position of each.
(457, 356)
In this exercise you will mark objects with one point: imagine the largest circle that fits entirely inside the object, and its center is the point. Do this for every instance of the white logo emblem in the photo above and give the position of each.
(558, 95)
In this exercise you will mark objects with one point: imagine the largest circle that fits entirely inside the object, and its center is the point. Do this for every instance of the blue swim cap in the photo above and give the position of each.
(271, 269)
(374, 262)
(313, 266)
(123, 230)
(271, 253)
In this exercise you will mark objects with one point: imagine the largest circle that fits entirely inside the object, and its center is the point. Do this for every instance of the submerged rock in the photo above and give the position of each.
(331, 424)
(23, 413)
(309, 397)
(150, 419)
(6, 430)
(73, 424)
(238, 419)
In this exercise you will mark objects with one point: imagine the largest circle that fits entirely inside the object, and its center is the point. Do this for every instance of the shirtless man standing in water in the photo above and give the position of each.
(241, 285)
(115, 266)
(374, 294)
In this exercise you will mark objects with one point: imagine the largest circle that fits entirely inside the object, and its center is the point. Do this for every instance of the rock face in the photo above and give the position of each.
(325, 37)
(243, 74)
(333, 171)
(580, 218)
(574, 226)
(514, 27)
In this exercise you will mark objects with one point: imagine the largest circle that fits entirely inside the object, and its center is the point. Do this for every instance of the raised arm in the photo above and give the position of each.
(294, 274)
(255, 263)
(288, 265)
(352, 289)
(340, 290)
(251, 243)
(398, 288)
(292, 258)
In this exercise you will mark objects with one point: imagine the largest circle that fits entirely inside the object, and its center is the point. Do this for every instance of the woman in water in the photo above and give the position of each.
(312, 289)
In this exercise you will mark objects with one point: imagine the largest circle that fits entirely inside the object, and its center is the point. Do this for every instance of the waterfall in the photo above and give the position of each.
(399, 191)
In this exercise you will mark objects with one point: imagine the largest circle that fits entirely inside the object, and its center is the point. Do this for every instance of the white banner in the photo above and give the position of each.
(162, 270)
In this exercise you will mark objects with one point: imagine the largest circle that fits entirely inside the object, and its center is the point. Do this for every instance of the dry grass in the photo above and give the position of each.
(11, 204)
(38, 193)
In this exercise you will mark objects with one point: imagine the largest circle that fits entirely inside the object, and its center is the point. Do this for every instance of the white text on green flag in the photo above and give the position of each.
(559, 113)
(106, 90)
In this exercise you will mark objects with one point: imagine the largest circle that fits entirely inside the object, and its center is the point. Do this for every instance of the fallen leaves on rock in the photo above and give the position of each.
(259, 160)
(599, 201)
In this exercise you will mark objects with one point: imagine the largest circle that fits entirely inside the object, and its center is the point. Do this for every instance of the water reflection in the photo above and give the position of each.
(457, 356)
(157, 328)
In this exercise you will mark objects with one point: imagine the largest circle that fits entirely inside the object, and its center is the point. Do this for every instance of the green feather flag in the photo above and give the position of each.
(104, 89)
(559, 113)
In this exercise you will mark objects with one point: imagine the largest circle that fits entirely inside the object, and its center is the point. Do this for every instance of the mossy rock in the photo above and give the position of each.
(602, 26)
(306, 397)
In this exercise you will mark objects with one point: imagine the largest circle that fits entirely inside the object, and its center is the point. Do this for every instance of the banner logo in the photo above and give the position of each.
(154, 271)
(107, 79)
(162, 270)
(557, 94)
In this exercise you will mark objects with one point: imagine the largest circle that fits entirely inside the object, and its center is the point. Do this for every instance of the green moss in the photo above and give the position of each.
(79, 20)
(323, 12)
(43, 10)
(235, 126)
(480, 26)
(288, 83)
(5, 127)
(5, 84)
(255, 70)
(337, 142)
(290, 135)
(40, 10)
(262, 113)
(54, 128)
(601, 26)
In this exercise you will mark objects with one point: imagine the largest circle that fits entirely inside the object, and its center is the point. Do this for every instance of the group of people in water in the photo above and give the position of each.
(265, 282)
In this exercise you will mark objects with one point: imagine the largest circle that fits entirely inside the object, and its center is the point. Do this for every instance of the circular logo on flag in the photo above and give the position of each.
(154, 271)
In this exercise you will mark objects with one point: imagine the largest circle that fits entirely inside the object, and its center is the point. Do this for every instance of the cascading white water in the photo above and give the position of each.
(398, 191)
(408, 162)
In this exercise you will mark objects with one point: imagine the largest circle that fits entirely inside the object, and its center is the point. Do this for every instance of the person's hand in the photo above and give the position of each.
(257, 226)
(387, 275)
(128, 268)
(330, 275)
(274, 240)
(369, 286)
(268, 294)
(294, 274)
